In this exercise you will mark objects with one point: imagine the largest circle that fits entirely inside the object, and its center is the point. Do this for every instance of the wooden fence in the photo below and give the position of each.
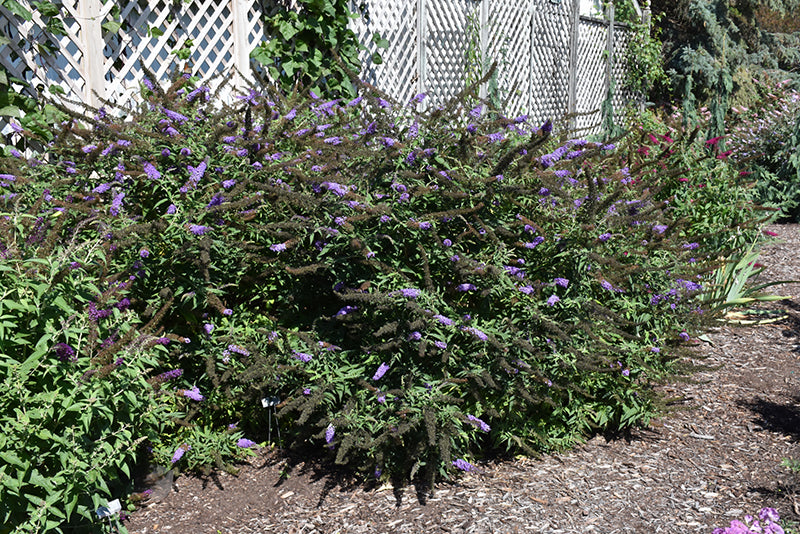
(551, 60)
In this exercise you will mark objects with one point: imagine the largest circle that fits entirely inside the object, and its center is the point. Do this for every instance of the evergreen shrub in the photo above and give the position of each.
(416, 288)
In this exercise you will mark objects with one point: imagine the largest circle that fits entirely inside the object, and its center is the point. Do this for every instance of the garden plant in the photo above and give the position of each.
(417, 288)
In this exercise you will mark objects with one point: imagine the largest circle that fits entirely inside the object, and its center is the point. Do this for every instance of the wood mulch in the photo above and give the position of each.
(715, 457)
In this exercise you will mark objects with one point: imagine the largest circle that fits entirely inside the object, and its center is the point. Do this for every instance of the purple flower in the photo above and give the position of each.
(425, 225)
(196, 173)
(186, 151)
(144, 253)
(172, 209)
(64, 352)
(346, 310)
(444, 320)
(477, 333)
(193, 394)
(440, 345)
(179, 452)
(463, 465)
(480, 424)
(527, 289)
(88, 148)
(227, 184)
(382, 368)
(278, 247)
(302, 356)
(626, 372)
(414, 336)
(660, 228)
(476, 111)
(330, 432)
(245, 443)
(151, 171)
(536, 242)
(563, 282)
(604, 237)
(198, 229)
(306, 391)
(553, 299)
(227, 311)
(174, 116)
(655, 350)
(690, 246)
(409, 292)
(208, 328)
(465, 287)
(169, 375)
(332, 140)
(239, 350)
(116, 204)
(769, 514)
(684, 336)
(447, 243)
(605, 284)
(291, 115)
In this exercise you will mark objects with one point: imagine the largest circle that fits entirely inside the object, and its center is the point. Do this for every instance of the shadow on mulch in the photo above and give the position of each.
(779, 417)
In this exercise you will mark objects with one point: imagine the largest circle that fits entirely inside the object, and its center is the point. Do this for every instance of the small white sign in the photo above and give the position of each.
(112, 508)
(270, 402)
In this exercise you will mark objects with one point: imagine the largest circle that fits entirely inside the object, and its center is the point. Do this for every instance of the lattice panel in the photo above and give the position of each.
(510, 45)
(591, 74)
(395, 21)
(549, 96)
(623, 96)
(22, 58)
(445, 44)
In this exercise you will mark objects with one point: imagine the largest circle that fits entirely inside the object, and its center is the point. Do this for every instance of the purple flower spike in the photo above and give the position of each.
(552, 300)
(179, 452)
(380, 372)
(480, 424)
(193, 394)
(463, 465)
(245, 443)
(465, 287)
(330, 432)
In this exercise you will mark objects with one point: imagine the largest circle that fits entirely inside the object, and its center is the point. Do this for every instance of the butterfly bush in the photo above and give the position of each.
(486, 274)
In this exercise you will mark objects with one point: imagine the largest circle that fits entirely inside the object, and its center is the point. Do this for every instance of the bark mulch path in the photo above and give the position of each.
(716, 457)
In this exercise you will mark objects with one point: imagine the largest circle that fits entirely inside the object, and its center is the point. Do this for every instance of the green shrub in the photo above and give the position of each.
(74, 403)
(415, 288)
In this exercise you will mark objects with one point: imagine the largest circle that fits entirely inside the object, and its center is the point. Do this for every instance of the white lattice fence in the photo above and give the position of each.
(591, 67)
(529, 39)
(91, 63)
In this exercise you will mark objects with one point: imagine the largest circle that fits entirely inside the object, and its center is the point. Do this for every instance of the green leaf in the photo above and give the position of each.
(57, 90)
(377, 59)
(287, 30)
(12, 458)
(154, 32)
(46, 9)
(17, 9)
(112, 26)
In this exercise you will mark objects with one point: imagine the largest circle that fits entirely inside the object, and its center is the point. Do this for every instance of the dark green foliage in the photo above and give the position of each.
(416, 289)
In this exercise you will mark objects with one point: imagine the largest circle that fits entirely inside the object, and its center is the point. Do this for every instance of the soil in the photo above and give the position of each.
(714, 457)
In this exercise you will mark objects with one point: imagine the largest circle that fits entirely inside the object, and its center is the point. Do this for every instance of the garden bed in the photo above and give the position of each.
(715, 458)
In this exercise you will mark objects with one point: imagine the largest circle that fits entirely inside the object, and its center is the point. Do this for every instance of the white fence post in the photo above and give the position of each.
(484, 44)
(92, 45)
(241, 45)
(422, 35)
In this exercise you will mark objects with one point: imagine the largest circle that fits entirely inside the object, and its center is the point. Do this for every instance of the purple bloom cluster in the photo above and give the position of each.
(382, 368)
(465, 287)
(238, 350)
(169, 375)
(444, 320)
(463, 465)
(479, 423)
(302, 356)
(179, 452)
(475, 332)
(193, 393)
(563, 282)
(64, 352)
(245, 443)
(330, 432)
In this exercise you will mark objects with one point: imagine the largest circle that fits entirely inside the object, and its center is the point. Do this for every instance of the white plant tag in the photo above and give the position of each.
(112, 508)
